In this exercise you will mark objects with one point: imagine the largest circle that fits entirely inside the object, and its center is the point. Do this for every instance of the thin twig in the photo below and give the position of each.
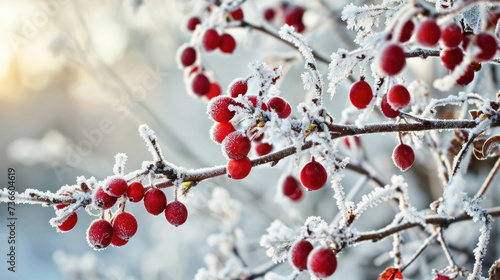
(426, 243)
(488, 179)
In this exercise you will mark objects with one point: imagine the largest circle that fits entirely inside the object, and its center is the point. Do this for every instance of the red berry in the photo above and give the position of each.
(69, 223)
(192, 23)
(211, 39)
(263, 149)
(238, 87)
(313, 175)
(99, 234)
(103, 200)
(296, 196)
(219, 131)
(322, 262)
(155, 201)
(452, 35)
(215, 90)
(277, 104)
(398, 97)
(253, 100)
(467, 77)
(236, 145)
(293, 17)
(286, 113)
(391, 59)
(291, 187)
(403, 156)
(188, 56)
(135, 192)
(360, 94)
(442, 277)
(227, 43)
(269, 14)
(406, 31)
(176, 213)
(451, 57)
(428, 33)
(387, 109)
(218, 109)
(115, 186)
(487, 45)
(201, 84)
(124, 225)
(239, 169)
(237, 14)
(299, 253)
(117, 242)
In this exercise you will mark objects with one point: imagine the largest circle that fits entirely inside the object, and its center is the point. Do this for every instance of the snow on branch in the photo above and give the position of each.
(278, 241)
(365, 17)
(120, 160)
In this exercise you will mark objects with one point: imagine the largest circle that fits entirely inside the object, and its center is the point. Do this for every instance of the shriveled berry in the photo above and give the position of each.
(263, 149)
(313, 175)
(487, 45)
(386, 108)
(237, 14)
(406, 31)
(117, 242)
(403, 156)
(452, 35)
(124, 225)
(155, 201)
(69, 223)
(176, 213)
(192, 23)
(238, 87)
(467, 77)
(277, 104)
(322, 262)
(115, 186)
(218, 109)
(391, 59)
(201, 84)
(239, 169)
(227, 43)
(451, 57)
(269, 14)
(219, 131)
(188, 56)
(428, 33)
(103, 200)
(211, 39)
(398, 97)
(215, 90)
(236, 145)
(99, 234)
(286, 113)
(299, 253)
(360, 94)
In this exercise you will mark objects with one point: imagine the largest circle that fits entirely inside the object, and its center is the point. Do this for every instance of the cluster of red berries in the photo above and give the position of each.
(286, 14)
(320, 261)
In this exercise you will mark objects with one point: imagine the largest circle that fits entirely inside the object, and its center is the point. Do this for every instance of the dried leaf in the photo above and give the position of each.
(456, 145)
(495, 271)
(490, 145)
(391, 273)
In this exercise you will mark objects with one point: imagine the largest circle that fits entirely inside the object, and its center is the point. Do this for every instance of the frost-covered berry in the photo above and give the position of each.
(239, 169)
(69, 223)
(124, 225)
(218, 109)
(386, 108)
(277, 104)
(155, 201)
(99, 234)
(238, 87)
(406, 31)
(103, 200)
(286, 113)
(135, 192)
(215, 90)
(360, 94)
(428, 33)
(452, 35)
(291, 188)
(451, 57)
(192, 23)
(237, 14)
(236, 145)
(403, 156)
(227, 43)
(201, 84)
(487, 46)
(398, 97)
(263, 149)
(322, 262)
(219, 131)
(253, 100)
(313, 175)
(269, 14)
(391, 59)
(211, 39)
(299, 253)
(466, 77)
(115, 186)
(176, 213)
(117, 242)
(188, 56)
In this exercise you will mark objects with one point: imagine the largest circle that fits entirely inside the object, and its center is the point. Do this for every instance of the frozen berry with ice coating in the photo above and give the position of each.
(322, 262)
(360, 94)
(428, 33)
(398, 97)
(452, 35)
(236, 145)
(103, 200)
(135, 192)
(451, 57)
(176, 213)
(254, 99)
(69, 223)
(188, 56)
(219, 131)
(227, 43)
(124, 225)
(115, 186)
(211, 39)
(386, 108)
(239, 169)
(263, 149)
(155, 201)
(99, 234)
(403, 156)
(466, 77)
(391, 59)
(313, 175)
(192, 23)
(487, 46)
(218, 109)
(238, 87)
(299, 253)
(201, 84)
